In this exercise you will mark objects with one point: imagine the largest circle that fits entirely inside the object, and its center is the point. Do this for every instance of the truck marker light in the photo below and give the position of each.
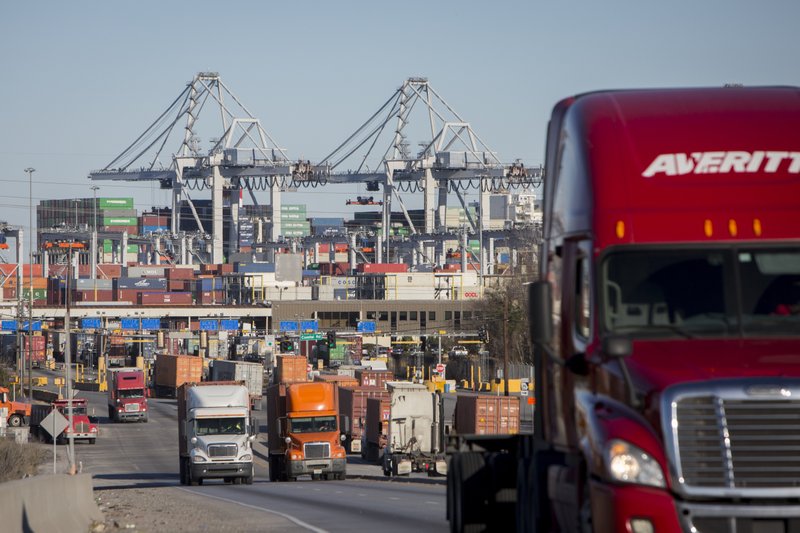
(708, 228)
(757, 227)
(620, 229)
(732, 228)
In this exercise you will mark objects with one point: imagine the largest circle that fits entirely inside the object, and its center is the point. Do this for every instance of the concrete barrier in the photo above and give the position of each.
(58, 503)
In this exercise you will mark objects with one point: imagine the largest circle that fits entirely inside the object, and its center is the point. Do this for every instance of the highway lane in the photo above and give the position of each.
(144, 455)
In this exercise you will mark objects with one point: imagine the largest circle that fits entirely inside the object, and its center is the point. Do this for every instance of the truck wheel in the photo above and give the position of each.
(503, 495)
(341, 476)
(248, 480)
(92, 440)
(526, 521)
(189, 477)
(469, 502)
(182, 469)
(273, 469)
(15, 421)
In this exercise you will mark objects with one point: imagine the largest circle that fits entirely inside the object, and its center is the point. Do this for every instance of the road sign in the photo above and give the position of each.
(311, 336)
(229, 325)
(91, 323)
(130, 323)
(151, 323)
(54, 423)
(440, 368)
(309, 325)
(288, 325)
(209, 325)
(366, 326)
(523, 388)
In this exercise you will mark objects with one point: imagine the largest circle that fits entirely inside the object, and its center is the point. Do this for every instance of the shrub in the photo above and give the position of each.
(18, 460)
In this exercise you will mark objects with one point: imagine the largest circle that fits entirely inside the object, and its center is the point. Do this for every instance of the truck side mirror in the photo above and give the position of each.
(540, 312)
(253, 426)
(344, 424)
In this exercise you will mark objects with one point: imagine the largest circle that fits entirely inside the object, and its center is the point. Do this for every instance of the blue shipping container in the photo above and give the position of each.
(141, 283)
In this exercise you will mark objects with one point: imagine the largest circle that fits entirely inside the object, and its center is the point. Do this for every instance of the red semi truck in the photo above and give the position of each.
(126, 394)
(666, 324)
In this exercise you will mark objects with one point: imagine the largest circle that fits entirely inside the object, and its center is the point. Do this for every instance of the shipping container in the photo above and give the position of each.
(180, 273)
(368, 268)
(373, 378)
(341, 380)
(172, 371)
(148, 271)
(251, 373)
(353, 405)
(376, 424)
(165, 298)
(290, 369)
(115, 203)
(481, 414)
(131, 230)
(94, 296)
(141, 284)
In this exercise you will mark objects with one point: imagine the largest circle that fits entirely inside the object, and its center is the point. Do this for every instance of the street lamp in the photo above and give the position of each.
(30, 171)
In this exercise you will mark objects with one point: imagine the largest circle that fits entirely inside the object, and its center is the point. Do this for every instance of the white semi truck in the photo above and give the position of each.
(215, 432)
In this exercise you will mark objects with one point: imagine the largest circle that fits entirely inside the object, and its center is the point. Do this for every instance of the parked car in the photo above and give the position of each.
(458, 351)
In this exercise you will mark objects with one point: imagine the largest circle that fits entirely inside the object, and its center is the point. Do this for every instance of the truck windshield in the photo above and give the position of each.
(76, 410)
(312, 424)
(131, 393)
(219, 426)
(702, 293)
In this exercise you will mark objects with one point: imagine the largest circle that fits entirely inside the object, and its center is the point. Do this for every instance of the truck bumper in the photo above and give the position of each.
(221, 470)
(316, 466)
(132, 415)
(638, 509)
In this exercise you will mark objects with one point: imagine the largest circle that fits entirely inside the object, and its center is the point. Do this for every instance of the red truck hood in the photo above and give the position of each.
(655, 365)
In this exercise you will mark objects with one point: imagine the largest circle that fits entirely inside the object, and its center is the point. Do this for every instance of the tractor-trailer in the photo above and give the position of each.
(668, 388)
(252, 374)
(373, 434)
(415, 431)
(127, 399)
(304, 436)
(215, 433)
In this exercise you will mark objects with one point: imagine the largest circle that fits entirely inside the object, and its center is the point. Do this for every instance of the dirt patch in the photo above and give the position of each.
(157, 509)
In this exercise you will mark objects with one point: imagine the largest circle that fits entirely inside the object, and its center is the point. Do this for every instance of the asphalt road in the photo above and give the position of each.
(140, 455)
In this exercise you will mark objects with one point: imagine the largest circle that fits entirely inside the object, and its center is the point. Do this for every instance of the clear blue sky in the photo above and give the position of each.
(80, 80)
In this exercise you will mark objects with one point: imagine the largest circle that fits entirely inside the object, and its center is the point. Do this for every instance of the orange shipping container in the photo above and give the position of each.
(486, 415)
(338, 379)
(38, 283)
(291, 369)
(172, 371)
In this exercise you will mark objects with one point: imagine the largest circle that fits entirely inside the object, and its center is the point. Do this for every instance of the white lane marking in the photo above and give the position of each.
(433, 503)
(284, 515)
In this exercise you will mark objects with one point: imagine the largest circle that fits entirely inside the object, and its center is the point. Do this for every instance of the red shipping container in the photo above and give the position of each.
(226, 268)
(109, 271)
(180, 274)
(89, 296)
(382, 268)
(353, 404)
(373, 378)
(165, 298)
(155, 220)
(178, 285)
(484, 414)
(132, 230)
(127, 295)
(291, 369)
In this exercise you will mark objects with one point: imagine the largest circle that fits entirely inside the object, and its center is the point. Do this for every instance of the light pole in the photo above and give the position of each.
(93, 247)
(30, 171)
(76, 212)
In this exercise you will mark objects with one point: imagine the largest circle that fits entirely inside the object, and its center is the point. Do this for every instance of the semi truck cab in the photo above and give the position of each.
(127, 399)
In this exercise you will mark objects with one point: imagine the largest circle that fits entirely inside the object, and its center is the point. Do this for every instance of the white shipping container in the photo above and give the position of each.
(251, 373)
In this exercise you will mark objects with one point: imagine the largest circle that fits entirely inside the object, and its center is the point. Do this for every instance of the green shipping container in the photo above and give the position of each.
(115, 203)
(120, 221)
(132, 248)
(38, 294)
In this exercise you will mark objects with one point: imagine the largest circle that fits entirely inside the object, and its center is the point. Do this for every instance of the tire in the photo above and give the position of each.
(503, 492)
(273, 469)
(526, 521)
(92, 441)
(247, 480)
(110, 414)
(189, 478)
(450, 493)
(227, 480)
(182, 471)
(470, 510)
(341, 476)
(15, 421)
(237, 481)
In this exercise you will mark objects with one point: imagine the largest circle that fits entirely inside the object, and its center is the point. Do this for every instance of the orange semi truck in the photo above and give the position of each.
(18, 413)
(303, 429)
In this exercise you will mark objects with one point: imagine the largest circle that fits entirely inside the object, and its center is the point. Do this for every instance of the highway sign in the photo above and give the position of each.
(309, 325)
(130, 323)
(288, 325)
(311, 336)
(366, 326)
(92, 323)
(229, 325)
(151, 323)
(54, 423)
(209, 325)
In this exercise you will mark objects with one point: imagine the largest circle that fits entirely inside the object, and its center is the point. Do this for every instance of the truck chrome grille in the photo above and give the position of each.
(317, 450)
(81, 427)
(727, 441)
(222, 450)
(131, 407)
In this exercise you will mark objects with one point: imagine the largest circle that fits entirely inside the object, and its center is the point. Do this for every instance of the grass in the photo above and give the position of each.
(19, 460)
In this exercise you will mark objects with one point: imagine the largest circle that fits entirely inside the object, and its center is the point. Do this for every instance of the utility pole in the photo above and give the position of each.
(30, 171)
(93, 246)
(68, 363)
(505, 346)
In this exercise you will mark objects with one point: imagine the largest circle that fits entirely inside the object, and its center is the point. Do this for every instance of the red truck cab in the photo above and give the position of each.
(667, 321)
(83, 428)
(126, 395)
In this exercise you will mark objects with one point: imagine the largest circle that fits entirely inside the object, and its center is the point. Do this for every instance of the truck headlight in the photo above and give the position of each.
(198, 459)
(296, 456)
(630, 464)
(246, 457)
